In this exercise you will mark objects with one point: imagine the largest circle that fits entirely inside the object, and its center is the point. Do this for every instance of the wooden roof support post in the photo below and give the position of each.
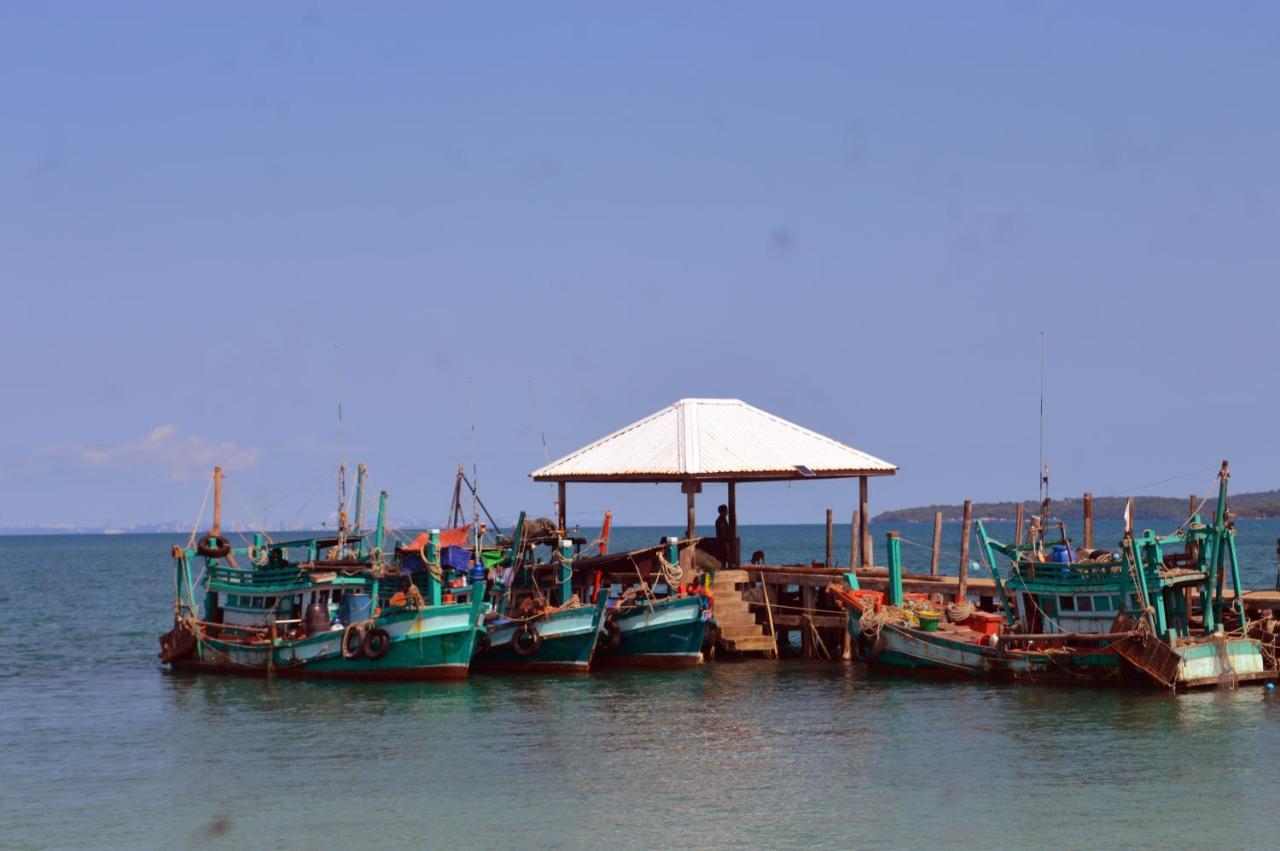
(1088, 521)
(867, 555)
(690, 488)
(734, 555)
(963, 590)
(562, 517)
(937, 543)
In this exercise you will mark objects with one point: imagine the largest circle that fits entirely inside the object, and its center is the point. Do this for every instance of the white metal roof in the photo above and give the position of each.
(712, 439)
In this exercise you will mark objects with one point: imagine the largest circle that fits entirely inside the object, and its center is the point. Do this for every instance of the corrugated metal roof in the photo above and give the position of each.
(712, 439)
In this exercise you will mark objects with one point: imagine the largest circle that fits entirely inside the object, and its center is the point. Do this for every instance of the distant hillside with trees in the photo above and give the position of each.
(1258, 505)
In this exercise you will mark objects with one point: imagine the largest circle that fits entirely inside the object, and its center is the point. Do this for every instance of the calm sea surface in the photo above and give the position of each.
(101, 748)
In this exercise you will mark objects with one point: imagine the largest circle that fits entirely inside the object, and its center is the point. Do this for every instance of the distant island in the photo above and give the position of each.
(1253, 506)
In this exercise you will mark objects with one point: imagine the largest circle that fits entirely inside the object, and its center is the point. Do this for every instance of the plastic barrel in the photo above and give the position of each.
(356, 607)
(1061, 553)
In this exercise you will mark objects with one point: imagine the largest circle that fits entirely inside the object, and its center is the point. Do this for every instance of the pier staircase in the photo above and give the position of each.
(740, 632)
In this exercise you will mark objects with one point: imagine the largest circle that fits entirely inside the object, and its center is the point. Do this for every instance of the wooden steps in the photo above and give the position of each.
(740, 631)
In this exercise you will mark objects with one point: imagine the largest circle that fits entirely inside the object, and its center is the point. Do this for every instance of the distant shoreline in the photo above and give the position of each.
(1261, 505)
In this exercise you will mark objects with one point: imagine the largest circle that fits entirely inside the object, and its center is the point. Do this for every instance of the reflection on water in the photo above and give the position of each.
(103, 749)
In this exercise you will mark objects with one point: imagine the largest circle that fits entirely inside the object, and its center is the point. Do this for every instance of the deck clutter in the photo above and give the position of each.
(1158, 611)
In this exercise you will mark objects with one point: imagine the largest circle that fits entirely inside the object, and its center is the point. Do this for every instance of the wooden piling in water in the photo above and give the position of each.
(963, 589)
(937, 543)
(830, 541)
(868, 553)
(1088, 520)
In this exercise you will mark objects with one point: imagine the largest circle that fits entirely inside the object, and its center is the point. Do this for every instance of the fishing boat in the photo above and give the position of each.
(1152, 612)
(332, 607)
(661, 620)
(536, 622)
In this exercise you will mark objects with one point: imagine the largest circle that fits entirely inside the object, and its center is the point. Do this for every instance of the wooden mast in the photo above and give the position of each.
(216, 531)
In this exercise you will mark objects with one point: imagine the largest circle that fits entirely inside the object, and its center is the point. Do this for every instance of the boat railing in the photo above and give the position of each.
(256, 577)
(1098, 572)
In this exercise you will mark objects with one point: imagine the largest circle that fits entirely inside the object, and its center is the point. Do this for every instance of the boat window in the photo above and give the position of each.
(1084, 603)
(337, 594)
(257, 602)
(271, 602)
(1115, 602)
(1066, 603)
(1102, 603)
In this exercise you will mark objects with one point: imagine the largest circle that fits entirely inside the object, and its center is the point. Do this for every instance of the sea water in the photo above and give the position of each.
(102, 748)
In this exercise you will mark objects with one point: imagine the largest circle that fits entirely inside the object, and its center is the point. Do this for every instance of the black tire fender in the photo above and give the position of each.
(525, 641)
(376, 643)
(610, 635)
(353, 642)
(214, 546)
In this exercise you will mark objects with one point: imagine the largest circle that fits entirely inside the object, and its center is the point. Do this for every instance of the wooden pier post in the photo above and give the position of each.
(963, 590)
(806, 630)
(1192, 502)
(561, 514)
(830, 541)
(1019, 520)
(1088, 521)
(853, 541)
(868, 553)
(937, 543)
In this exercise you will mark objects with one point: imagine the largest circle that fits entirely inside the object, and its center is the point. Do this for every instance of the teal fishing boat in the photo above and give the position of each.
(331, 607)
(655, 622)
(1151, 612)
(536, 623)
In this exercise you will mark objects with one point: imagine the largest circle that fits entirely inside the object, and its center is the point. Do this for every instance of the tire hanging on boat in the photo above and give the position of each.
(526, 640)
(353, 641)
(868, 646)
(611, 635)
(214, 546)
(376, 643)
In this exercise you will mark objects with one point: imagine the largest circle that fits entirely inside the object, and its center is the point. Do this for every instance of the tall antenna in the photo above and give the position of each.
(546, 453)
(342, 460)
(1044, 468)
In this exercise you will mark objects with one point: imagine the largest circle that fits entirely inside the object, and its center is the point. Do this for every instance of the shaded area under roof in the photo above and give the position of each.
(712, 440)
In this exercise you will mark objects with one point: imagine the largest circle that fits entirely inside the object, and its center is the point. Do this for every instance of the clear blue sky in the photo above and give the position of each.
(856, 216)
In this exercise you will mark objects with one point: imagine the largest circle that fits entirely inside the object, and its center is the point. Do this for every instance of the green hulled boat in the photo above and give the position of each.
(318, 608)
(655, 622)
(539, 626)
(1151, 612)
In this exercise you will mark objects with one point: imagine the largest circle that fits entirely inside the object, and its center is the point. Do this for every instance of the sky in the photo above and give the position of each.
(472, 225)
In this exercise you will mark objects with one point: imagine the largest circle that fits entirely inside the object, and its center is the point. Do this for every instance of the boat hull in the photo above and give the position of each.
(915, 651)
(568, 639)
(432, 643)
(666, 633)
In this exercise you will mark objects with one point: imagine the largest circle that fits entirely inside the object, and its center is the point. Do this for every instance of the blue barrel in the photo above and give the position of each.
(356, 606)
(478, 572)
(1061, 554)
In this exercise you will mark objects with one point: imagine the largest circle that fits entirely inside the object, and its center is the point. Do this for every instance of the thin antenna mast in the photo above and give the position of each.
(342, 461)
(546, 453)
(1043, 467)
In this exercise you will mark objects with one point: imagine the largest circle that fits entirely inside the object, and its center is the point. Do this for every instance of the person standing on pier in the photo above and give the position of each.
(723, 540)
